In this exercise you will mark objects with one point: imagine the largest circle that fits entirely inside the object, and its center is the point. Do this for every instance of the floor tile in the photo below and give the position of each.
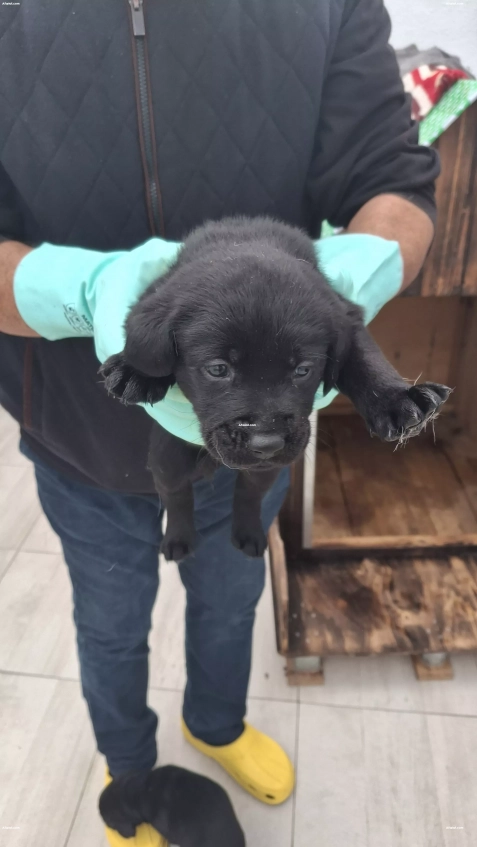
(9, 438)
(19, 505)
(453, 744)
(41, 538)
(389, 682)
(6, 557)
(365, 779)
(268, 678)
(88, 829)
(263, 826)
(167, 663)
(36, 630)
(47, 750)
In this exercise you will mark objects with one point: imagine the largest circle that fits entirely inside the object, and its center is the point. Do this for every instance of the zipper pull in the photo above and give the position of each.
(137, 15)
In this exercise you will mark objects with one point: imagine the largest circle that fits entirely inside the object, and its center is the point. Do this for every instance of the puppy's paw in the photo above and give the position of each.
(129, 385)
(249, 540)
(406, 411)
(176, 546)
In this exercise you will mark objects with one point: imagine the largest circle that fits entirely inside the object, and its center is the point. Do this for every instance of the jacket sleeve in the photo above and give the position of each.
(367, 143)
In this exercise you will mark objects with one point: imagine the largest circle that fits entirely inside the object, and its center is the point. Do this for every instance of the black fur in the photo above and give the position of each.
(189, 810)
(248, 292)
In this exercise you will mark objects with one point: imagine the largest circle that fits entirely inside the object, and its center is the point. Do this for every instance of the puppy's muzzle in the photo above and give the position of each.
(264, 445)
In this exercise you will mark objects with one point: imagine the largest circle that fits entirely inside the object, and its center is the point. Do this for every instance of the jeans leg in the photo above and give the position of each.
(223, 588)
(110, 544)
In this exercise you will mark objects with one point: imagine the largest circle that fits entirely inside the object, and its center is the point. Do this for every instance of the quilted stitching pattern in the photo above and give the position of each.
(234, 103)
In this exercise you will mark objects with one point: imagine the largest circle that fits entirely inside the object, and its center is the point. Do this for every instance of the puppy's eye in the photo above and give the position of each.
(219, 370)
(302, 370)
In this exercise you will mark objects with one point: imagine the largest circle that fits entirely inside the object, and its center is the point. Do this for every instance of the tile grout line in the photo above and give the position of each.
(296, 763)
(80, 799)
(27, 532)
(30, 675)
(15, 554)
(387, 710)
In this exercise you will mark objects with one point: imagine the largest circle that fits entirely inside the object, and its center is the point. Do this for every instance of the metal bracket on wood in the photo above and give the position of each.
(429, 666)
(305, 670)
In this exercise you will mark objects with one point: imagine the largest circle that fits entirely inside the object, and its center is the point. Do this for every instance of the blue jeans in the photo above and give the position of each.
(111, 544)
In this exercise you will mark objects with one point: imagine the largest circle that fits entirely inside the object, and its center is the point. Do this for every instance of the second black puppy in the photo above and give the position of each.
(188, 809)
(249, 328)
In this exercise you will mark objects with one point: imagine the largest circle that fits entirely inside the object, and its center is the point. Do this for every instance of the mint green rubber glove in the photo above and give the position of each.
(69, 292)
(365, 269)
(64, 292)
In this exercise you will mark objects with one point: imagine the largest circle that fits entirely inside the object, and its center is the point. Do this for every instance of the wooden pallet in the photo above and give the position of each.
(393, 562)
(361, 606)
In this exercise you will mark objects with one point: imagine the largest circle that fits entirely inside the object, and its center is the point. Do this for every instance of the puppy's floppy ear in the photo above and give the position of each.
(344, 322)
(144, 371)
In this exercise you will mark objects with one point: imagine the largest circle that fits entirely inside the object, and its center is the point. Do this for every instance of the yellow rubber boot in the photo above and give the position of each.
(255, 761)
(146, 835)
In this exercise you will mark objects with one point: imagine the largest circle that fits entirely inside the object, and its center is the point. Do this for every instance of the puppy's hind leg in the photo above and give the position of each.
(173, 465)
(181, 537)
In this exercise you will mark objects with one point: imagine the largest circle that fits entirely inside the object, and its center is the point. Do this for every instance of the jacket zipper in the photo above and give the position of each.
(152, 186)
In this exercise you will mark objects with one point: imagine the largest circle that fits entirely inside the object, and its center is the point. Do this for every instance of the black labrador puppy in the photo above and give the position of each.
(189, 810)
(249, 328)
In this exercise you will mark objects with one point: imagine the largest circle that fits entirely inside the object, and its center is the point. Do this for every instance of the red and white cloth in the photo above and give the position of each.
(426, 85)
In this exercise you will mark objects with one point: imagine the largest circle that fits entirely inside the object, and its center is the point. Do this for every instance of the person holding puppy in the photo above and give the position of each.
(125, 125)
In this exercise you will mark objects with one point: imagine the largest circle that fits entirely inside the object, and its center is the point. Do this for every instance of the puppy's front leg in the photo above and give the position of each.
(247, 530)
(392, 408)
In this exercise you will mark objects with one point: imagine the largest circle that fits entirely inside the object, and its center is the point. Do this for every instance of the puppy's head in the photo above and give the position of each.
(249, 333)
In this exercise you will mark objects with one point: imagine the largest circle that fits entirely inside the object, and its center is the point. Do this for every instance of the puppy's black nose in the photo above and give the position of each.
(264, 445)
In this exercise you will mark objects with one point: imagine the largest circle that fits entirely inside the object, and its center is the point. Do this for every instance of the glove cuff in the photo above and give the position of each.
(53, 288)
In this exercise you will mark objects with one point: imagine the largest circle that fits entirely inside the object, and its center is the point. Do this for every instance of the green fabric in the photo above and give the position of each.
(69, 292)
(448, 109)
(64, 292)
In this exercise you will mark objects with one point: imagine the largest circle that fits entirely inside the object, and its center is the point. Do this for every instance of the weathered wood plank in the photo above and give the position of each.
(422, 490)
(366, 606)
(388, 545)
(279, 578)
(445, 270)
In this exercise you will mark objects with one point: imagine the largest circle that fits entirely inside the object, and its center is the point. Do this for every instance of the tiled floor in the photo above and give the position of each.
(382, 760)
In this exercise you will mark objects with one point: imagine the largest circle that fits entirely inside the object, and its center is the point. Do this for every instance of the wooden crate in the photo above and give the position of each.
(376, 548)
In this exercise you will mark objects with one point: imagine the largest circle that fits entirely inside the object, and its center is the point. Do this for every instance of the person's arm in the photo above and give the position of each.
(11, 322)
(396, 219)
(369, 173)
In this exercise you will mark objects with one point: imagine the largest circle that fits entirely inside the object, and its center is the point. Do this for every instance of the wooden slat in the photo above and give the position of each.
(279, 578)
(291, 514)
(465, 395)
(444, 271)
(331, 514)
(422, 490)
(419, 336)
(366, 606)
(469, 283)
(388, 545)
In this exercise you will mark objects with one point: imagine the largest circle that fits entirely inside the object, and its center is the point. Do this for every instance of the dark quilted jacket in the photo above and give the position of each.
(292, 108)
